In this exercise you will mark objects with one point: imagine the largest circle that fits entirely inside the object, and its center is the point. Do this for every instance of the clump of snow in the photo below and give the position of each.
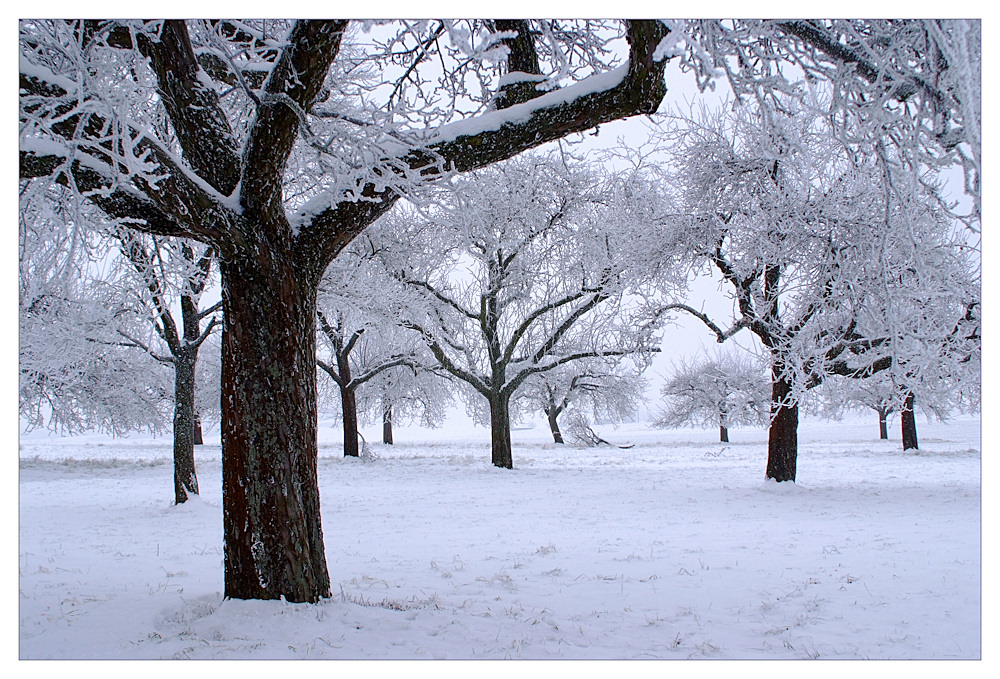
(675, 548)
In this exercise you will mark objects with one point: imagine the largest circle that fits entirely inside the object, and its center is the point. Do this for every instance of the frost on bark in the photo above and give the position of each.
(210, 191)
(273, 536)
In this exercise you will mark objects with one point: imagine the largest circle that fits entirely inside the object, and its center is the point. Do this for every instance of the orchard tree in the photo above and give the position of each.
(914, 84)
(405, 394)
(728, 389)
(607, 386)
(527, 267)
(276, 143)
(360, 332)
(172, 275)
(806, 232)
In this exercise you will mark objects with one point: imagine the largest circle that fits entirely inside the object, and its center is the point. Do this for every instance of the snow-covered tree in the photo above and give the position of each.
(914, 84)
(170, 277)
(74, 372)
(815, 239)
(404, 394)
(360, 332)
(606, 386)
(726, 390)
(524, 268)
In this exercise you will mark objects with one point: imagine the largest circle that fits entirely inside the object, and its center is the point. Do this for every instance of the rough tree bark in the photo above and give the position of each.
(501, 451)
(273, 536)
(349, 410)
(782, 435)
(185, 479)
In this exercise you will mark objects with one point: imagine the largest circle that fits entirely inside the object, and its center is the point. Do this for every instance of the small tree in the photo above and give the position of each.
(728, 389)
(359, 328)
(405, 393)
(606, 386)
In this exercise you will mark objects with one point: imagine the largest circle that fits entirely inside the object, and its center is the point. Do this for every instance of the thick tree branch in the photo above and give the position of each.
(288, 94)
(522, 59)
(193, 108)
(635, 89)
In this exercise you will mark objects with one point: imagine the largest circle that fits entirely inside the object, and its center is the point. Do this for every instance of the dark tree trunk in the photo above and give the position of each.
(553, 416)
(500, 432)
(272, 529)
(782, 436)
(349, 407)
(883, 427)
(723, 434)
(185, 480)
(387, 423)
(199, 439)
(908, 423)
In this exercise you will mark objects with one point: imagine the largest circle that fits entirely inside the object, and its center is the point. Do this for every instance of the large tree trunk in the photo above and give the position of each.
(553, 415)
(349, 408)
(883, 426)
(908, 423)
(500, 432)
(185, 480)
(386, 422)
(723, 434)
(782, 435)
(273, 534)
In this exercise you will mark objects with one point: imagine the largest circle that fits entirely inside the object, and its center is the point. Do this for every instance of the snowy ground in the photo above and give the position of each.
(675, 548)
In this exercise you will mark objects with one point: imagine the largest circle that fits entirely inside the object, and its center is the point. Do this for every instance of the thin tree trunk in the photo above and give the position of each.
(908, 423)
(185, 480)
(782, 435)
(349, 408)
(386, 423)
(272, 529)
(553, 415)
(883, 426)
(500, 432)
(199, 438)
(723, 434)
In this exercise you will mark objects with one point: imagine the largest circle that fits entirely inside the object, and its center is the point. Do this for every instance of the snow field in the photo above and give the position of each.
(676, 548)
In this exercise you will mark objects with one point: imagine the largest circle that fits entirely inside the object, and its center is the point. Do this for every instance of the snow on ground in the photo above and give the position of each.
(676, 548)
